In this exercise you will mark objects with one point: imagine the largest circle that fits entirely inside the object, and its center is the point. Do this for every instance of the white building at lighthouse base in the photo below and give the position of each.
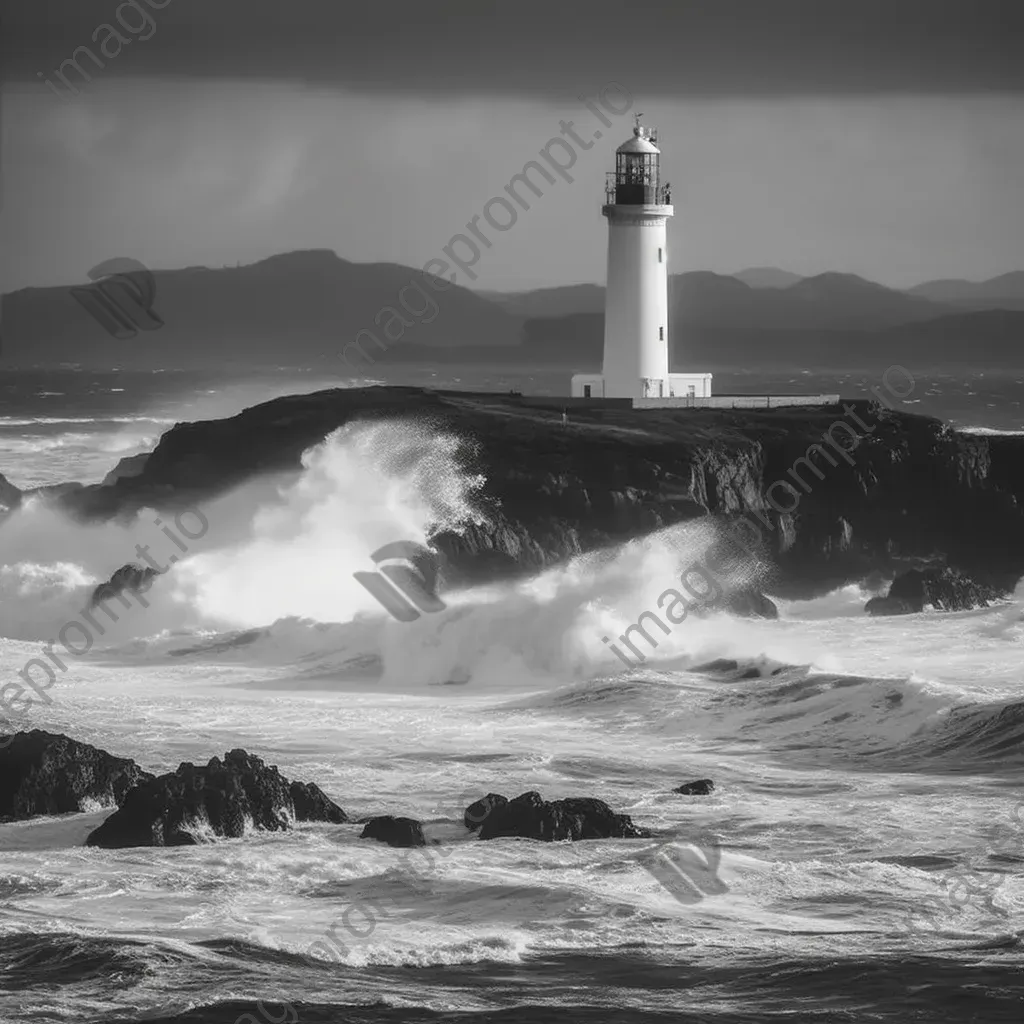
(648, 389)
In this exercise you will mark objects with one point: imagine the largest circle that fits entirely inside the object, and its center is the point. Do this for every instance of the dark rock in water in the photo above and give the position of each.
(394, 831)
(750, 604)
(701, 787)
(530, 817)
(476, 813)
(946, 589)
(891, 606)
(728, 665)
(718, 665)
(311, 803)
(223, 798)
(47, 773)
(129, 577)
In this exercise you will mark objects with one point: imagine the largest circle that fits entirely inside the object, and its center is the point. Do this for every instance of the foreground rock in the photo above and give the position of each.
(530, 817)
(222, 798)
(700, 787)
(945, 589)
(133, 578)
(47, 773)
(394, 831)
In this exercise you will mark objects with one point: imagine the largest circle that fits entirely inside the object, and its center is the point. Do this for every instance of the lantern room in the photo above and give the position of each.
(636, 180)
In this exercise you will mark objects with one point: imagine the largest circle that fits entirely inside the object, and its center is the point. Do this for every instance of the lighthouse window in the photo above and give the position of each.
(660, 259)
(661, 333)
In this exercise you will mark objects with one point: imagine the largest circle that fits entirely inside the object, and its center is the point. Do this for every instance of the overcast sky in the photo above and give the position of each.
(883, 139)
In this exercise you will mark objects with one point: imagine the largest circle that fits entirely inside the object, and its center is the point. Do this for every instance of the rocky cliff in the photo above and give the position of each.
(839, 492)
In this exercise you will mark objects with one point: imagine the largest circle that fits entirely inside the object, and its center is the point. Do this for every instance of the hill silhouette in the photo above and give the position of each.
(701, 298)
(561, 301)
(1003, 292)
(986, 339)
(304, 308)
(296, 308)
(767, 277)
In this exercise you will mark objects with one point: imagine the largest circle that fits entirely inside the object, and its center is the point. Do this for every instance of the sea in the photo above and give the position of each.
(864, 838)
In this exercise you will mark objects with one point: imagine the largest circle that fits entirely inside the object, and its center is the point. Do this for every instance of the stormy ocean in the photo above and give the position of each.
(868, 808)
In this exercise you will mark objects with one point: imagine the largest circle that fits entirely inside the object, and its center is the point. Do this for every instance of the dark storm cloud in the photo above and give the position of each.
(526, 47)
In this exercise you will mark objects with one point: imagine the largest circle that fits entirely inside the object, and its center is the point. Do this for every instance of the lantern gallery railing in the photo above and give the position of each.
(622, 191)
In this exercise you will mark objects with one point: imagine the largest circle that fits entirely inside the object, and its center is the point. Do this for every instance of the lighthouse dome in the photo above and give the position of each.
(638, 144)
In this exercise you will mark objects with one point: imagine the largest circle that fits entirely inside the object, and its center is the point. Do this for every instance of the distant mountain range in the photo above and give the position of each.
(1003, 292)
(303, 308)
(828, 301)
(767, 277)
(770, 317)
(559, 301)
(298, 308)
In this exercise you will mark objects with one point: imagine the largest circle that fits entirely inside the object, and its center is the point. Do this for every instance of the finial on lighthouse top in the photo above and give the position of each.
(644, 139)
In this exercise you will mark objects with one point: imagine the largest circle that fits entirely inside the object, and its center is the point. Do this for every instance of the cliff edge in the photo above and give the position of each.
(838, 492)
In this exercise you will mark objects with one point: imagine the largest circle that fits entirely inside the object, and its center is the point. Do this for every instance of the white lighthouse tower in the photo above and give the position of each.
(636, 359)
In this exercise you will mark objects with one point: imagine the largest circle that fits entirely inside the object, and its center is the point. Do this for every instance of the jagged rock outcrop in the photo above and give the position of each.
(476, 813)
(699, 787)
(311, 803)
(892, 488)
(394, 831)
(944, 589)
(133, 578)
(48, 773)
(529, 816)
(221, 798)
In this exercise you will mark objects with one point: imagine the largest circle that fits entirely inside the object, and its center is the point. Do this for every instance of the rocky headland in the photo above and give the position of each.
(905, 493)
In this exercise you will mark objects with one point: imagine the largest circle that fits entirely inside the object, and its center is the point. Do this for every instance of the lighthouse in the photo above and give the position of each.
(636, 353)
